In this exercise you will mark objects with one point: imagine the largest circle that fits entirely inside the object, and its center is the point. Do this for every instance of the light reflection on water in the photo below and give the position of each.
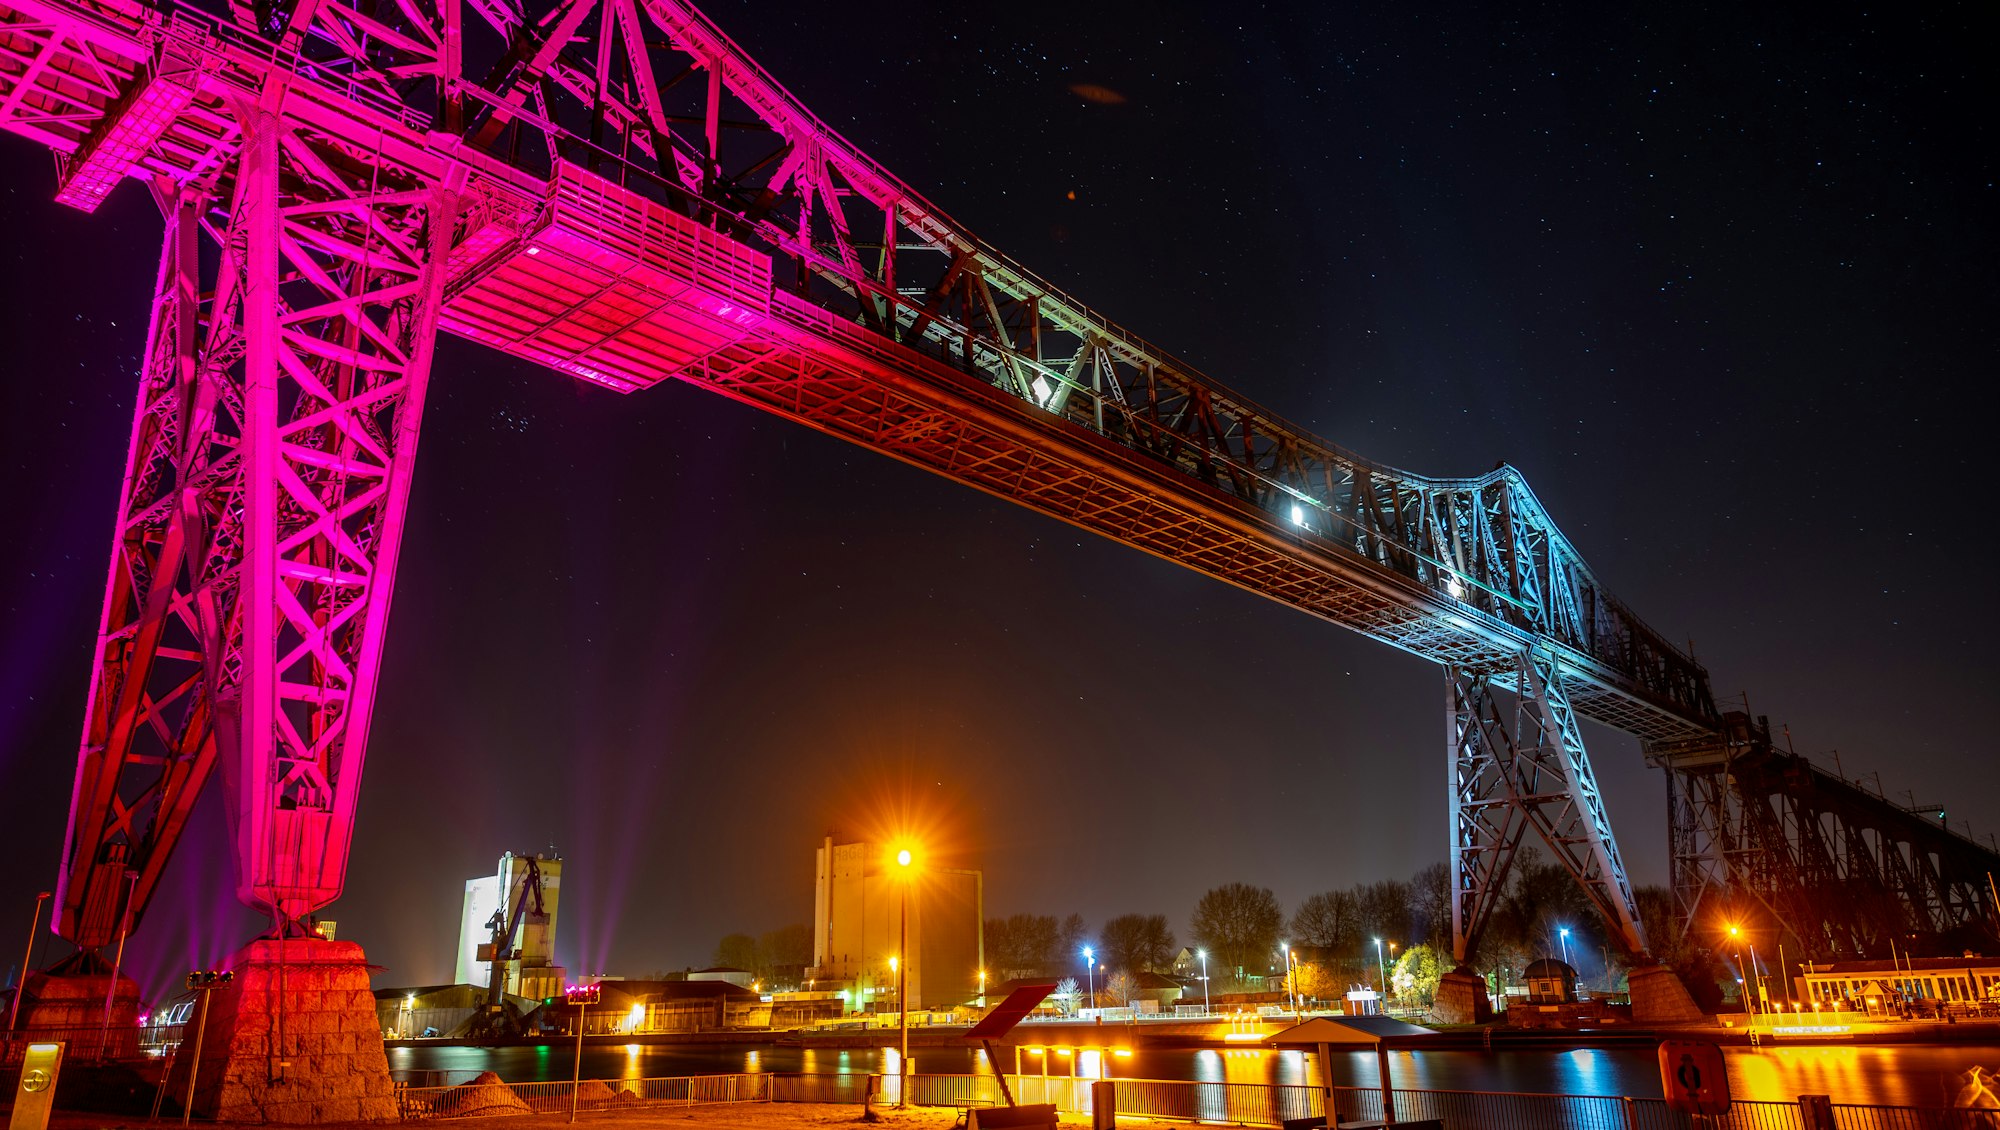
(1905, 1076)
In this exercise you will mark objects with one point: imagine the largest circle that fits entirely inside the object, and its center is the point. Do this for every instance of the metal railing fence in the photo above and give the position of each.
(426, 1077)
(475, 1099)
(1864, 1116)
(81, 1044)
(1502, 1110)
(793, 1087)
(1239, 1104)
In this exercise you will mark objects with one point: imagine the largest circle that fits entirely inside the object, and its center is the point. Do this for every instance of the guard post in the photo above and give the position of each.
(35, 1097)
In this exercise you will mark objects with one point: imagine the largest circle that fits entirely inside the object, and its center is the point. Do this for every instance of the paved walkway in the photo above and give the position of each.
(736, 1116)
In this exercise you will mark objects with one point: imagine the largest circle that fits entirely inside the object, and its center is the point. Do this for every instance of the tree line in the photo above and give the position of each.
(1240, 927)
(1038, 945)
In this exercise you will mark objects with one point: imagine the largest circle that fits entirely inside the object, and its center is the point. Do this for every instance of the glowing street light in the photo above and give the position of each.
(903, 860)
(1090, 974)
(1748, 979)
(982, 988)
(1203, 955)
(1382, 967)
(1291, 986)
(1565, 944)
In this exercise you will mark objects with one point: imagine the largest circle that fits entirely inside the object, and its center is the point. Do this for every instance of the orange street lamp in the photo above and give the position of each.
(904, 860)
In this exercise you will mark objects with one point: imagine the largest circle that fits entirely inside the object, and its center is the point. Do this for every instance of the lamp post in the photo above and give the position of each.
(409, 1004)
(903, 860)
(1203, 955)
(1748, 978)
(204, 982)
(982, 988)
(582, 996)
(111, 992)
(27, 956)
(1291, 988)
(1756, 978)
(1090, 974)
(1382, 968)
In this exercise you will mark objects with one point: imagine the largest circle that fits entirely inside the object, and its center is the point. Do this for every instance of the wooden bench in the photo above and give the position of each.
(965, 1108)
(1004, 1117)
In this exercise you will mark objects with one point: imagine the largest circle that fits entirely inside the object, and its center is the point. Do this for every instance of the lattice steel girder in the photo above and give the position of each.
(1536, 776)
(601, 81)
(1841, 869)
(146, 747)
(1485, 823)
(269, 472)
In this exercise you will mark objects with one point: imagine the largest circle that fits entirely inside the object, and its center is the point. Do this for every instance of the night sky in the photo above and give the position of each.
(1721, 282)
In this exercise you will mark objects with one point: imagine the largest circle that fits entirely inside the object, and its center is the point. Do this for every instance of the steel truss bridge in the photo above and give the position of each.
(613, 190)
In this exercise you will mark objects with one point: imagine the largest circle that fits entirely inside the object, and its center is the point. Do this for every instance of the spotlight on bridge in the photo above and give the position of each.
(1453, 586)
(1298, 515)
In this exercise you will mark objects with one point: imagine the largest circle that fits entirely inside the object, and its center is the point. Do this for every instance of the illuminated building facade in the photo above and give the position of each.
(858, 890)
(535, 975)
(1929, 983)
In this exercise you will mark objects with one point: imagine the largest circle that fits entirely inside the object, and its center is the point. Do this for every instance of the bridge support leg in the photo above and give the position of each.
(273, 450)
(1506, 779)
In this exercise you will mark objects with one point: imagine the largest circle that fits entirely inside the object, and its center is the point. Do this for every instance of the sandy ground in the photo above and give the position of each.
(738, 1116)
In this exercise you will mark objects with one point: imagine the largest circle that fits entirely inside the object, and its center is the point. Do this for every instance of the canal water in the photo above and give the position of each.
(1896, 1075)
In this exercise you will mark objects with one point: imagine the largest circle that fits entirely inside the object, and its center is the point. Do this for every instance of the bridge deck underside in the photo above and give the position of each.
(627, 296)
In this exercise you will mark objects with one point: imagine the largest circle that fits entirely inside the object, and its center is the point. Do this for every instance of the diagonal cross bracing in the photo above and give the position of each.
(272, 452)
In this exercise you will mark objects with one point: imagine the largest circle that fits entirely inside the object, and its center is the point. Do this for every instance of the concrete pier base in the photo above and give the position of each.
(1461, 998)
(1659, 997)
(292, 1038)
(67, 1003)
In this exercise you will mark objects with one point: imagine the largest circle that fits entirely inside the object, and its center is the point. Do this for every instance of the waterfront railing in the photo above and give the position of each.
(1238, 1104)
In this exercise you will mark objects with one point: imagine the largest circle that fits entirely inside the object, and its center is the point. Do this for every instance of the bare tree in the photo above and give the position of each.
(1069, 943)
(737, 951)
(1065, 995)
(1023, 945)
(1239, 925)
(1331, 921)
(1385, 910)
(1138, 941)
(1430, 896)
(785, 953)
(1121, 988)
